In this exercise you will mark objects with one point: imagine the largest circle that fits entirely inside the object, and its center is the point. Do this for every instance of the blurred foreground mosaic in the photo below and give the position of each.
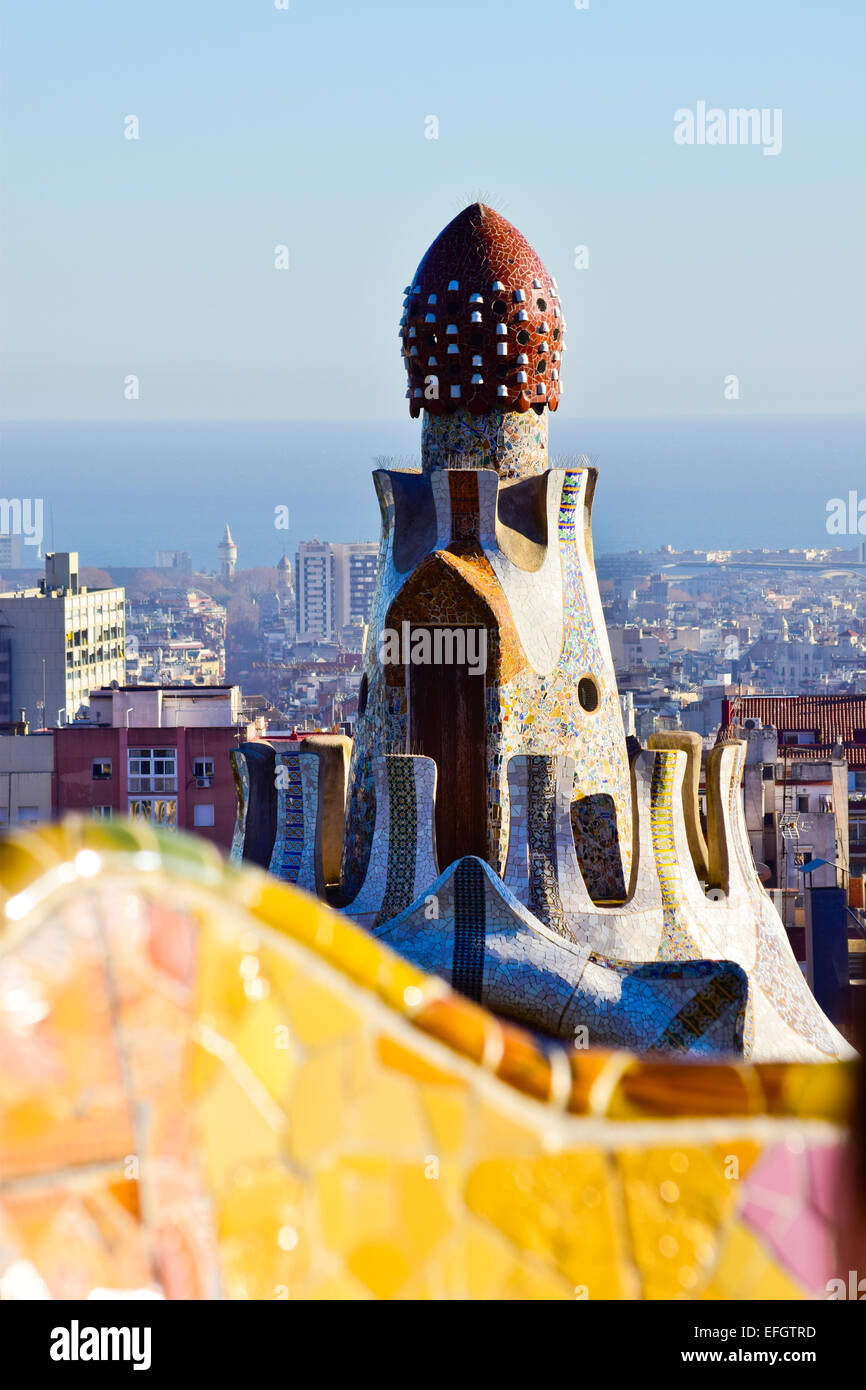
(214, 1086)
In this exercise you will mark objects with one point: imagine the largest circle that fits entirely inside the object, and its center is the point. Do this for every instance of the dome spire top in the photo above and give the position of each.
(482, 328)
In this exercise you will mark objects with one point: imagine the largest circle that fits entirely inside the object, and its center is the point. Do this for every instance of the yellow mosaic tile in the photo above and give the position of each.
(294, 1117)
(745, 1270)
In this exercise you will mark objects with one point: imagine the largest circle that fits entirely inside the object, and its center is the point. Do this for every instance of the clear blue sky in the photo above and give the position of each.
(260, 126)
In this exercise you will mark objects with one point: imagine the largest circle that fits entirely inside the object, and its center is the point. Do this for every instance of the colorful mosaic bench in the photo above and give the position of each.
(213, 1086)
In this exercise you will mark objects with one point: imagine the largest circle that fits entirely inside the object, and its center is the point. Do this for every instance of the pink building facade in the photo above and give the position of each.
(158, 755)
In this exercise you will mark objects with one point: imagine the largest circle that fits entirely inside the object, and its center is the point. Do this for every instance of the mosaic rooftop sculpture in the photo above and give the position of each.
(488, 821)
(482, 316)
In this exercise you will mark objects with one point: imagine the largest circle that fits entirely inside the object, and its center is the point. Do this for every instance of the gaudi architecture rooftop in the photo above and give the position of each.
(482, 326)
(493, 853)
(488, 819)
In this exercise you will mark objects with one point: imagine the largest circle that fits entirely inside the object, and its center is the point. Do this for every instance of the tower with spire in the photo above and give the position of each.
(228, 555)
(285, 585)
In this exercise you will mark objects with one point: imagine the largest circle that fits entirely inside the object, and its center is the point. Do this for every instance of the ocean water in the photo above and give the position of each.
(116, 492)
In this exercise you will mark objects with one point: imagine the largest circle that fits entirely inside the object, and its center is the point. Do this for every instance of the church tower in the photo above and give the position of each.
(228, 554)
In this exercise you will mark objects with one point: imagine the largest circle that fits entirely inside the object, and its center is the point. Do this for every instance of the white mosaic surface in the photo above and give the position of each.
(625, 974)
(555, 617)
(403, 857)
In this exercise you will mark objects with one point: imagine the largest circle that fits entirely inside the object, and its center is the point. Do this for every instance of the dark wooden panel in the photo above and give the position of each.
(447, 723)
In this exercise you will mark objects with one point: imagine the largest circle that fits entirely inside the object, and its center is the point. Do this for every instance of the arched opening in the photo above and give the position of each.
(448, 722)
(596, 843)
(450, 653)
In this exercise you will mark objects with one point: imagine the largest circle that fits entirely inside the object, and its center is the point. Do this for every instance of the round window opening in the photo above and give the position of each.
(362, 694)
(587, 694)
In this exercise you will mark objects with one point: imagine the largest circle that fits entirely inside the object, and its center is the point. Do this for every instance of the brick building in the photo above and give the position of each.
(156, 753)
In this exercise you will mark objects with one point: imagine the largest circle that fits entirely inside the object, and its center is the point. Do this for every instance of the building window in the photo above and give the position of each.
(803, 803)
(100, 769)
(152, 770)
(28, 813)
(158, 810)
(4, 815)
(202, 767)
(203, 814)
(101, 812)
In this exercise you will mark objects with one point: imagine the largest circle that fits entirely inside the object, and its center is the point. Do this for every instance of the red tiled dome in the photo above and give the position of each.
(482, 327)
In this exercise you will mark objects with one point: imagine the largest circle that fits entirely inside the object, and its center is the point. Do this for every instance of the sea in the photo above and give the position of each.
(116, 492)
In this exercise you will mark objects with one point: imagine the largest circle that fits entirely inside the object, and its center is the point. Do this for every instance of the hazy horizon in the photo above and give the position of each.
(161, 373)
(118, 492)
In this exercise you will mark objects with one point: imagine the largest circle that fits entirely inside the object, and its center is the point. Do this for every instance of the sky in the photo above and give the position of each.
(306, 127)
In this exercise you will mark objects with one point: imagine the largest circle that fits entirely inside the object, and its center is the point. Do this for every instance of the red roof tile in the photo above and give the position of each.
(829, 717)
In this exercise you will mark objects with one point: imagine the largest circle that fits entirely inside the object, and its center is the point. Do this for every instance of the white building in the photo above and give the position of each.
(174, 560)
(315, 590)
(167, 707)
(334, 586)
(355, 582)
(62, 641)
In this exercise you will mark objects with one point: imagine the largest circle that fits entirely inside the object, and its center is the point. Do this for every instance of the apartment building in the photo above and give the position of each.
(59, 641)
(155, 753)
(826, 730)
(334, 586)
